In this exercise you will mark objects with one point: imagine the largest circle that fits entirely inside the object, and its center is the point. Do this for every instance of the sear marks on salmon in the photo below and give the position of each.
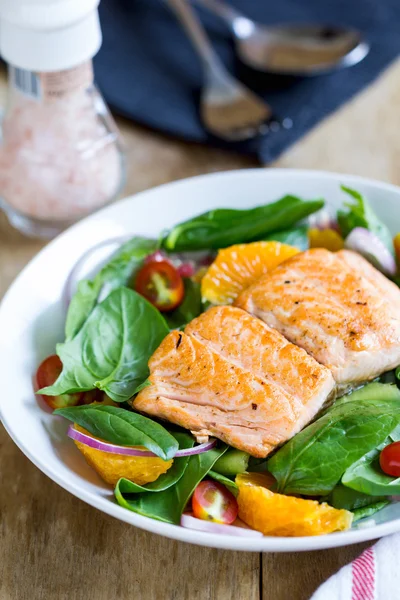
(337, 307)
(231, 376)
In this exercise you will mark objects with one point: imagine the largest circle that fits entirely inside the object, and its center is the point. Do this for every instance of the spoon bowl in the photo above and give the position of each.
(291, 49)
(298, 49)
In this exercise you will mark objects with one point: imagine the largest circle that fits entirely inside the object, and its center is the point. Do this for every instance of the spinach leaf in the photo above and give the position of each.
(296, 236)
(231, 485)
(115, 273)
(168, 479)
(372, 391)
(360, 214)
(190, 308)
(344, 497)
(314, 460)
(123, 427)
(366, 475)
(169, 505)
(368, 511)
(223, 227)
(112, 349)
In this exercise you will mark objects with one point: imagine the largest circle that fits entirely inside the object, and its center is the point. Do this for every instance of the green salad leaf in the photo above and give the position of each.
(231, 485)
(117, 272)
(168, 479)
(371, 392)
(368, 511)
(296, 236)
(366, 475)
(122, 427)
(190, 308)
(360, 214)
(223, 227)
(344, 497)
(169, 504)
(314, 460)
(112, 349)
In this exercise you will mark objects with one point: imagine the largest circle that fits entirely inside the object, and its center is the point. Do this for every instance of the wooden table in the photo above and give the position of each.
(52, 545)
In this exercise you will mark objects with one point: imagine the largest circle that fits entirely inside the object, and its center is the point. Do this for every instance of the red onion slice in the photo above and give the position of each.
(96, 444)
(209, 527)
(372, 248)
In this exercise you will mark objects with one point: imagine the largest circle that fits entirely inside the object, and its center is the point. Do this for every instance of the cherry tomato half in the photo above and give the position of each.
(212, 501)
(390, 459)
(161, 284)
(47, 374)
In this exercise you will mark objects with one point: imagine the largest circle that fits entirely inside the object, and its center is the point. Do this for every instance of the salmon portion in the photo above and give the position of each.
(230, 376)
(337, 307)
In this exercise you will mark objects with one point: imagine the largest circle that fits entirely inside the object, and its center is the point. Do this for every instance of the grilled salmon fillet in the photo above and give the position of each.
(337, 307)
(231, 376)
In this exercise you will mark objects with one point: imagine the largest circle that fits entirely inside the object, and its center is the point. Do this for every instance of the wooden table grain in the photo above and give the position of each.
(52, 545)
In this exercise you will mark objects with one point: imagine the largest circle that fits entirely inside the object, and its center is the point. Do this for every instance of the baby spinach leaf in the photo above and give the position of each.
(220, 228)
(231, 485)
(122, 427)
(190, 308)
(344, 497)
(372, 391)
(169, 505)
(368, 511)
(112, 349)
(360, 214)
(296, 236)
(366, 475)
(115, 273)
(314, 460)
(168, 479)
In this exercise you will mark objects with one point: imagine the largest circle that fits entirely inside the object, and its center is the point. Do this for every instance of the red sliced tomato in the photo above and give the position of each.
(46, 375)
(390, 459)
(161, 284)
(212, 501)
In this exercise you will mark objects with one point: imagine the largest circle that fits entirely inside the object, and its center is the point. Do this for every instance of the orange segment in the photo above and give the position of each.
(237, 267)
(288, 516)
(111, 467)
(325, 238)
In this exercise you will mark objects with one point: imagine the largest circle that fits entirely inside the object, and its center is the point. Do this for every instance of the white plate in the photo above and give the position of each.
(31, 322)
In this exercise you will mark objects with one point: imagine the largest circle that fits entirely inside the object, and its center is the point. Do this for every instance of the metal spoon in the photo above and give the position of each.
(228, 109)
(291, 49)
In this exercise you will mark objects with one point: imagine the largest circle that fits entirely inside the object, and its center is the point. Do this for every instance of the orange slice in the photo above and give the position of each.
(111, 467)
(237, 267)
(325, 238)
(288, 516)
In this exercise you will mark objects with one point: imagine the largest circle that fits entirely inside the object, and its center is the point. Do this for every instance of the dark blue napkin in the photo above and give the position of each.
(149, 72)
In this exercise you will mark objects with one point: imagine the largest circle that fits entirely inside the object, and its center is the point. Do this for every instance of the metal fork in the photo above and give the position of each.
(228, 109)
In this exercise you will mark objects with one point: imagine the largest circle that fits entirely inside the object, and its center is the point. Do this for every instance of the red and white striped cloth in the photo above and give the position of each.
(375, 575)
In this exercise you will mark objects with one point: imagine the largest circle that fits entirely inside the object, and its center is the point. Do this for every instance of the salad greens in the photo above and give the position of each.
(366, 475)
(344, 497)
(368, 511)
(169, 504)
(360, 214)
(296, 236)
(231, 485)
(313, 462)
(117, 272)
(224, 227)
(112, 349)
(190, 308)
(124, 428)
